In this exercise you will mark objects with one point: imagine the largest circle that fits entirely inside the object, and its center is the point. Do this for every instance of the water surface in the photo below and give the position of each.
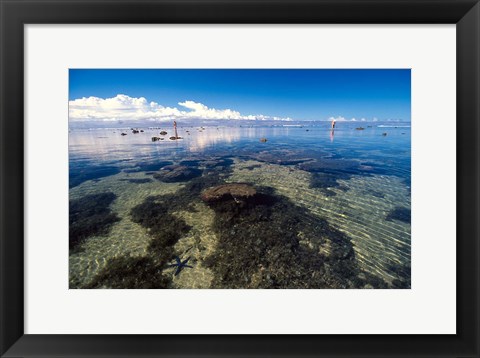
(335, 190)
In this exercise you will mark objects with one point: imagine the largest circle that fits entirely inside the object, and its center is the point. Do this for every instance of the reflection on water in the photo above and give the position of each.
(331, 209)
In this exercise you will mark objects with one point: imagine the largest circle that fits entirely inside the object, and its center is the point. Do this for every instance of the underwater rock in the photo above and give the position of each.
(89, 216)
(236, 191)
(400, 214)
(253, 166)
(163, 133)
(281, 157)
(321, 165)
(147, 166)
(80, 174)
(130, 273)
(164, 228)
(213, 162)
(138, 181)
(177, 173)
(216, 162)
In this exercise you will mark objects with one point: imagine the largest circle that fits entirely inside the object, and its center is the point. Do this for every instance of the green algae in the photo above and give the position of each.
(269, 242)
(166, 229)
(90, 215)
(131, 272)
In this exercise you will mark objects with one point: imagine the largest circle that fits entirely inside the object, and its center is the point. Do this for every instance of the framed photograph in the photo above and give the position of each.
(239, 178)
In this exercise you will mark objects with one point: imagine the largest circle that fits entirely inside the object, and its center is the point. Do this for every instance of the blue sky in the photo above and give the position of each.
(297, 94)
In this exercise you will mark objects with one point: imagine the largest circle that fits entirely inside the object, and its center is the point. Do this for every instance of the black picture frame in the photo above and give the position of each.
(16, 13)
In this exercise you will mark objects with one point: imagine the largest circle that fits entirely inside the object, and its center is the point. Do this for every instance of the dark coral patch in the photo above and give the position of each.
(326, 172)
(147, 167)
(269, 242)
(330, 164)
(280, 157)
(90, 215)
(131, 273)
(166, 229)
(80, 174)
(177, 173)
(138, 181)
(237, 191)
(400, 214)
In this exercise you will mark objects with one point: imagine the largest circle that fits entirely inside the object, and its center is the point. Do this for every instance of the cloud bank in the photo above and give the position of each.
(126, 108)
(342, 119)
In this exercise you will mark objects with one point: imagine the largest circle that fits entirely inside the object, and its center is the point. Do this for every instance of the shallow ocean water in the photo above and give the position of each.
(351, 186)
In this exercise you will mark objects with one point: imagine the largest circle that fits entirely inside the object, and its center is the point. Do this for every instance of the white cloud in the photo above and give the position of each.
(337, 119)
(126, 108)
(341, 118)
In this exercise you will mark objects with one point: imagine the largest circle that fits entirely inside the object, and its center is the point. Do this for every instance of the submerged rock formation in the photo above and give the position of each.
(236, 191)
(176, 173)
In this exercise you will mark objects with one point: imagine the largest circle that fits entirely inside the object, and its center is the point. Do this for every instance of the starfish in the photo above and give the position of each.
(180, 265)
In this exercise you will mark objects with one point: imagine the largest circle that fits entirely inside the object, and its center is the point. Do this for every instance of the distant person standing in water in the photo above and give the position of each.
(333, 124)
(175, 127)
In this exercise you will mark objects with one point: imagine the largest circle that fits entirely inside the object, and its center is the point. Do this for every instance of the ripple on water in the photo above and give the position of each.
(382, 246)
(125, 236)
(360, 208)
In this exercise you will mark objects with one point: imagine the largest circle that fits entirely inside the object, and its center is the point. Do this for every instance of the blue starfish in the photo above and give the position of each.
(180, 265)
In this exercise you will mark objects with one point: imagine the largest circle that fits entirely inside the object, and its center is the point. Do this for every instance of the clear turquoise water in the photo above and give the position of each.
(356, 180)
